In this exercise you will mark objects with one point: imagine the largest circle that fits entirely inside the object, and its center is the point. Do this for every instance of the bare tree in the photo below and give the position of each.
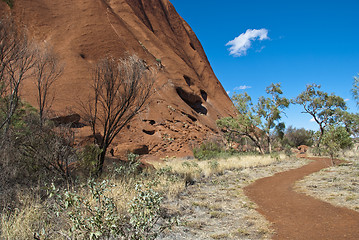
(121, 89)
(16, 60)
(46, 71)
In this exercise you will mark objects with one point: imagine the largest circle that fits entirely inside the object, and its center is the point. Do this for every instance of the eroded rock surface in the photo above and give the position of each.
(189, 97)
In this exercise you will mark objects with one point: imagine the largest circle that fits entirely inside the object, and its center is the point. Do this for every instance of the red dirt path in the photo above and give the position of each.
(298, 216)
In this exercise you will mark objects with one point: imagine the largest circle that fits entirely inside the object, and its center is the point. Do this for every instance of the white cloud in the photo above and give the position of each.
(312, 120)
(243, 42)
(228, 92)
(244, 87)
(347, 100)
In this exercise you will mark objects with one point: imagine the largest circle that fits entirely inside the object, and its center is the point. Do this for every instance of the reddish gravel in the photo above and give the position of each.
(298, 216)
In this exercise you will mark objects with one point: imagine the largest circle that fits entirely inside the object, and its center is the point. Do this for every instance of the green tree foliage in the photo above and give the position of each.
(298, 136)
(269, 110)
(351, 122)
(324, 108)
(244, 124)
(355, 89)
(254, 121)
(336, 138)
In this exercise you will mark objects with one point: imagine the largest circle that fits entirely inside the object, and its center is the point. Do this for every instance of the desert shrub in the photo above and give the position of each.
(31, 154)
(288, 150)
(298, 136)
(88, 159)
(48, 151)
(213, 165)
(146, 213)
(128, 168)
(208, 150)
(275, 155)
(97, 216)
(335, 139)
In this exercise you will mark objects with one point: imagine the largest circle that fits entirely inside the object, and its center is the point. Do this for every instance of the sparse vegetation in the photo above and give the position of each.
(216, 203)
(324, 108)
(255, 122)
(355, 89)
(121, 89)
(295, 137)
(335, 139)
(338, 185)
(52, 189)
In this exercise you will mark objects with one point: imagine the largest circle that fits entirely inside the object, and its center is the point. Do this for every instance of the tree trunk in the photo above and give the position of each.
(269, 144)
(101, 161)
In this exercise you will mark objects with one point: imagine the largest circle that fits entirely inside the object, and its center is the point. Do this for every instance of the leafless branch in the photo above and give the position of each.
(121, 90)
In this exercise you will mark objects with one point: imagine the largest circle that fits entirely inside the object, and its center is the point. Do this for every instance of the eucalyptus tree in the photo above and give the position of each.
(355, 89)
(259, 120)
(325, 108)
(244, 124)
(270, 110)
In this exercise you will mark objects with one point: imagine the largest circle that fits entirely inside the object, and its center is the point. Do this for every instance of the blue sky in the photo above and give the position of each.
(307, 42)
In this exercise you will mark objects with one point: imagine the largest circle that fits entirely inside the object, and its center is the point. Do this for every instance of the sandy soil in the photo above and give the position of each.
(297, 216)
(217, 208)
(338, 185)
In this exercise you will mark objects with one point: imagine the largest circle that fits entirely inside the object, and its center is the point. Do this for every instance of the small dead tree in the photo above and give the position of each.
(16, 60)
(46, 71)
(121, 90)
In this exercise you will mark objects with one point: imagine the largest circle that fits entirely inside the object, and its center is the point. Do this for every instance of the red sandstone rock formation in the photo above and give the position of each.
(189, 97)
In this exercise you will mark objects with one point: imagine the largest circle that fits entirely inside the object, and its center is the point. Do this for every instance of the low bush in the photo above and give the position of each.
(210, 150)
(97, 216)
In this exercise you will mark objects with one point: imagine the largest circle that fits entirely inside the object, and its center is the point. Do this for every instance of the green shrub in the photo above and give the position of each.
(98, 217)
(145, 214)
(208, 150)
(213, 164)
(336, 138)
(275, 155)
(288, 150)
(88, 159)
(88, 219)
(126, 168)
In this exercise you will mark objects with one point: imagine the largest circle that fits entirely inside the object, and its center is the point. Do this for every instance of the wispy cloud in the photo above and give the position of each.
(243, 42)
(228, 92)
(244, 87)
(312, 120)
(347, 100)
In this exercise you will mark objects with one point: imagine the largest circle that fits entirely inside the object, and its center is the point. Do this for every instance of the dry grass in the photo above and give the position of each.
(338, 185)
(23, 223)
(207, 168)
(214, 207)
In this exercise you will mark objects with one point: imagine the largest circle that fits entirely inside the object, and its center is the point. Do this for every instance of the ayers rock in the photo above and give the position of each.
(182, 113)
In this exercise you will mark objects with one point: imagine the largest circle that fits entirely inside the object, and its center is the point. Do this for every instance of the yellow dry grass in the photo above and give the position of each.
(23, 223)
(206, 168)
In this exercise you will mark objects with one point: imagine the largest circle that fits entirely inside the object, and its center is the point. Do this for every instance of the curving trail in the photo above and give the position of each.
(298, 216)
